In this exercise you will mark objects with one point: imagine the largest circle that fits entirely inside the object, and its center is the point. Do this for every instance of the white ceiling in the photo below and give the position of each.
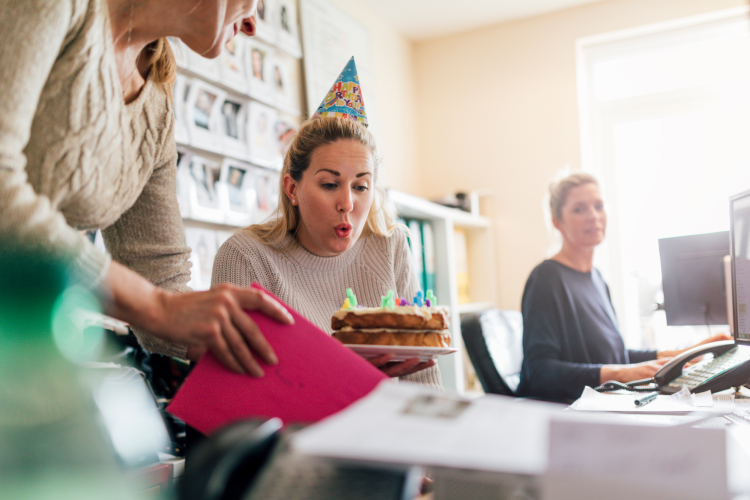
(422, 19)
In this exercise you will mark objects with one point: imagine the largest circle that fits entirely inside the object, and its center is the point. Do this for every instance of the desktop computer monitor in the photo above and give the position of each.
(739, 230)
(693, 278)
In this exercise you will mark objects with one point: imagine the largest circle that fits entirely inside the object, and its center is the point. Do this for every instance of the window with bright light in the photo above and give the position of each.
(666, 127)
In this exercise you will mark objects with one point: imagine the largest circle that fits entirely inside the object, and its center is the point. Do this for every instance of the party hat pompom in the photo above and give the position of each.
(344, 100)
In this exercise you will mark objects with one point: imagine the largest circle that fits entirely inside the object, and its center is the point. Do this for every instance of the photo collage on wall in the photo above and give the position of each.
(225, 190)
(235, 116)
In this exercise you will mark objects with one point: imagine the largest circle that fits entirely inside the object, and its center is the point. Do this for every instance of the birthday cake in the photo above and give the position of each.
(396, 322)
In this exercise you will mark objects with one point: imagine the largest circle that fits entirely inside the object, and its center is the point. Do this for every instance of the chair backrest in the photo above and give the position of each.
(493, 340)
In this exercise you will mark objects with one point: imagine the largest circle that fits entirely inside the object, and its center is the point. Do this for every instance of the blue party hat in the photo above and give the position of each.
(344, 100)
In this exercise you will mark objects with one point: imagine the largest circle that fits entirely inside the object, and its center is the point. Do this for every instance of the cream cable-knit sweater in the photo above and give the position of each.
(316, 286)
(74, 156)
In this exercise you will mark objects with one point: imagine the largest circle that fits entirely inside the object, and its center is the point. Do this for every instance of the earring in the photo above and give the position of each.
(294, 201)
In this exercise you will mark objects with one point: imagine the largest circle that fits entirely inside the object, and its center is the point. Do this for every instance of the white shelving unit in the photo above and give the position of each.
(481, 258)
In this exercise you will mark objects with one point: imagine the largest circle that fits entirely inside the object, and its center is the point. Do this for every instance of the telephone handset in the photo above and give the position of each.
(729, 368)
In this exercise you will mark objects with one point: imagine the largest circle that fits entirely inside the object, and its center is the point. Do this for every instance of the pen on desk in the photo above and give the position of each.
(646, 398)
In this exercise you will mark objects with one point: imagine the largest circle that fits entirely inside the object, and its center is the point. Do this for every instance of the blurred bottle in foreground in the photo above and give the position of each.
(52, 440)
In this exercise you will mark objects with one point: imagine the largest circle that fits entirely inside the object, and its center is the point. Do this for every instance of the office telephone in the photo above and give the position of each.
(730, 367)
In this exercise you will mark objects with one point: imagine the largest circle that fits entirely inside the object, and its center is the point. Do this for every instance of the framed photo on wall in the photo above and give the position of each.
(203, 113)
(282, 85)
(203, 247)
(233, 123)
(204, 200)
(180, 93)
(266, 183)
(232, 63)
(184, 157)
(258, 57)
(263, 148)
(287, 28)
(285, 130)
(237, 191)
(266, 27)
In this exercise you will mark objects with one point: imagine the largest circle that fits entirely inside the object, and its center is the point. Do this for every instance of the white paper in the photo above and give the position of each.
(599, 459)
(703, 399)
(491, 433)
(591, 400)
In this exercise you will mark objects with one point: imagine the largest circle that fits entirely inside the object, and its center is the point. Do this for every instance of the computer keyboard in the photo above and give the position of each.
(741, 417)
(702, 372)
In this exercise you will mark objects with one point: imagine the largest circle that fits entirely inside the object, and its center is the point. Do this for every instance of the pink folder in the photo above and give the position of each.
(316, 377)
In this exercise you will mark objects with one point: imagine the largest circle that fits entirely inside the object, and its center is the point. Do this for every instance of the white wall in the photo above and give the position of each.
(393, 71)
(497, 108)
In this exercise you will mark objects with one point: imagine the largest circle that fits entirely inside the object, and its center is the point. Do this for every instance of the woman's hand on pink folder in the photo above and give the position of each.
(216, 320)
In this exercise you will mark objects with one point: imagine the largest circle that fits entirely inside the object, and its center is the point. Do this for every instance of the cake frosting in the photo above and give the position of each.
(396, 322)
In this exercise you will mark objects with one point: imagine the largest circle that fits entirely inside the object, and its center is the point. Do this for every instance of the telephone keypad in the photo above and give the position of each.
(703, 372)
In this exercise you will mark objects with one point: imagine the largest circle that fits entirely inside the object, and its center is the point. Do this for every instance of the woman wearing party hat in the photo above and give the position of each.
(333, 229)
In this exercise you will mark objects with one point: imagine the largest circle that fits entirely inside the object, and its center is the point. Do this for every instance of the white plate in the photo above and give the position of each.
(400, 352)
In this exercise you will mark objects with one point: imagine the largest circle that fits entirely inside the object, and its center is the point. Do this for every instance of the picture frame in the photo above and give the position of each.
(237, 192)
(262, 144)
(284, 131)
(205, 203)
(287, 27)
(233, 118)
(180, 96)
(232, 63)
(184, 157)
(203, 116)
(266, 25)
(258, 56)
(203, 248)
(282, 86)
(266, 186)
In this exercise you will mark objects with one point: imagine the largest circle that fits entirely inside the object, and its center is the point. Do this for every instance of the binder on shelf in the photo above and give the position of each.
(428, 250)
(462, 265)
(415, 243)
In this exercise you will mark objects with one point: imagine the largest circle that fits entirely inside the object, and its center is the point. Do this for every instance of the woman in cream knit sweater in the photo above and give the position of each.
(334, 232)
(87, 141)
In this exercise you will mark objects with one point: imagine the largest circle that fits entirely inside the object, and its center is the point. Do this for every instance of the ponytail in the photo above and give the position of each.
(162, 65)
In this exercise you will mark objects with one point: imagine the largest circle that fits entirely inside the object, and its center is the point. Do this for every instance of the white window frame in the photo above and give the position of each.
(598, 118)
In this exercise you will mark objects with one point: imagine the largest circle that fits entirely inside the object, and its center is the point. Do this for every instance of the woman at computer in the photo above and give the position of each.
(571, 338)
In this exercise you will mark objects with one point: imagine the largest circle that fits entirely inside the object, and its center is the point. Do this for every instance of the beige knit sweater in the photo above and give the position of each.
(74, 156)
(316, 286)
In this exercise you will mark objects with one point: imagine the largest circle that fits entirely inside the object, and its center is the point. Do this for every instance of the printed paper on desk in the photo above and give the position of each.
(409, 423)
(591, 459)
(316, 377)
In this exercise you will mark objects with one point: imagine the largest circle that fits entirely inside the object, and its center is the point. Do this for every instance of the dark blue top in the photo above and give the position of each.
(569, 331)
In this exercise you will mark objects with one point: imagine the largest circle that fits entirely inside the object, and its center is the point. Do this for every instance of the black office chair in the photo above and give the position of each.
(493, 340)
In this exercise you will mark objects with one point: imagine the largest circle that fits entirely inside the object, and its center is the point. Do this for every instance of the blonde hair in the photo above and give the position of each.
(314, 133)
(558, 191)
(162, 65)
